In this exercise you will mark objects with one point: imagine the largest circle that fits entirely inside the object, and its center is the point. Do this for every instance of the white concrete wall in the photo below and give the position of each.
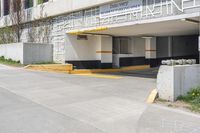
(95, 48)
(106, 49)
(37, 53)
(173, 81)
(12, 51)
(27, 53)
(77, 50)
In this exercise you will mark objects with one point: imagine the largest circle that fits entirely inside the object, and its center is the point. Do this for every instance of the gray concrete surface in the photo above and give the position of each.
(147, 73)
(27, 53)
(44, 102)
(177, 80)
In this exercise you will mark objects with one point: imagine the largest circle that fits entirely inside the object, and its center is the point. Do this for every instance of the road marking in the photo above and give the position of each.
(152, 96)
(100, 76)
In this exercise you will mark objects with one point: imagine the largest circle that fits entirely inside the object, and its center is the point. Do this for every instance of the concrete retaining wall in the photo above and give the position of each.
(174, 81)
(27, 53)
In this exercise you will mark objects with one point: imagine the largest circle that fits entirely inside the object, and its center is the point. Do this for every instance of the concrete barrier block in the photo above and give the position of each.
(174, 81)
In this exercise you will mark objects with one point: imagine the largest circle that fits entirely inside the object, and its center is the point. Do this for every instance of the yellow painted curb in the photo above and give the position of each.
(51, 67)
(152, 96)
(89, 71)
(68, 68)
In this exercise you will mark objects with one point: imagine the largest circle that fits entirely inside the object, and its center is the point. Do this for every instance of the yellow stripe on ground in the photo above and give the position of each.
(152, 96)
(89, 71)
(100, 76)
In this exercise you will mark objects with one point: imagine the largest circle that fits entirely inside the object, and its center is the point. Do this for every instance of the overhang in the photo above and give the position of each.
(187, 24)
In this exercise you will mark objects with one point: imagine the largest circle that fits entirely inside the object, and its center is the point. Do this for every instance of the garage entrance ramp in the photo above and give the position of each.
(145, 73)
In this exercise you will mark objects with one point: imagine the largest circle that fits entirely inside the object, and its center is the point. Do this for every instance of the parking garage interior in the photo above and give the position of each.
(130, 51)
(130, 44)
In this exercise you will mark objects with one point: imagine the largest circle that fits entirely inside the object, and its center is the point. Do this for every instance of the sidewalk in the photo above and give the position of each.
(160, 119)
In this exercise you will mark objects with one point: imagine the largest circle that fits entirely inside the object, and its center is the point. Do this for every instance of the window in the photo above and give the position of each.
(121, 45)
(124, 46)
(42, 1)
(6, 7)
(28, 4)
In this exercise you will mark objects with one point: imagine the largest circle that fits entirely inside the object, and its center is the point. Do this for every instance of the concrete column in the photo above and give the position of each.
(35, 3)
(104, 51)
(199, 49)
(170, 46)
(150, 45)
(151, 51)
(2, 8)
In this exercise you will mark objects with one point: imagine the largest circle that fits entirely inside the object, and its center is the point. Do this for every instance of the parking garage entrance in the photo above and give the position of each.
(130, 51)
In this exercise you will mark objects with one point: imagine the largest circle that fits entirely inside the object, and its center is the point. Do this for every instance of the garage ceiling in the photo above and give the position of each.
(164, 28)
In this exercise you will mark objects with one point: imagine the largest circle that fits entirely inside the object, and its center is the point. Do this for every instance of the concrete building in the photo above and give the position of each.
(114, 33)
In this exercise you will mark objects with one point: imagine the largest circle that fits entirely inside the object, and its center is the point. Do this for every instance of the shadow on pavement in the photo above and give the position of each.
(147, 73)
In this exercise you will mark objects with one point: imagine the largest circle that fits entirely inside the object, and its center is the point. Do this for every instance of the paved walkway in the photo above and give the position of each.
(40, 102)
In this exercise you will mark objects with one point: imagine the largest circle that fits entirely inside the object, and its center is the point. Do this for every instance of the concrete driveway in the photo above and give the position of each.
(41, 102)
(147, 73)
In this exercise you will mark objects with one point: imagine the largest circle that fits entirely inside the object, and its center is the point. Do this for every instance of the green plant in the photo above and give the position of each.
(2, 58)
(40, 1)
(193, 98)
(6, 35)
(5, 61)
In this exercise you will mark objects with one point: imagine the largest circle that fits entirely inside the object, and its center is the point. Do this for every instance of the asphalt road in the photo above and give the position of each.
(42, 102)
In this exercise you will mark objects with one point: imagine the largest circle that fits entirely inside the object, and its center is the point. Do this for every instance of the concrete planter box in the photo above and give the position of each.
(174, 81)
(27, 53)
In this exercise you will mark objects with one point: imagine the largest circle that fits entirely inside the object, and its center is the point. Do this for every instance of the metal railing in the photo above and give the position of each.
(93, 17)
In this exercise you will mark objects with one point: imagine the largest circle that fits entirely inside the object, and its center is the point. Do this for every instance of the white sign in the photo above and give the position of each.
(120, 8)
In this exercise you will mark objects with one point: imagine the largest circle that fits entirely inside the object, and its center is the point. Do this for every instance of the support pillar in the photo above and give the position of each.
(199, 49)
(104, 52)
(2, 8)
(170, 54)
(151, 50)
(34, 3)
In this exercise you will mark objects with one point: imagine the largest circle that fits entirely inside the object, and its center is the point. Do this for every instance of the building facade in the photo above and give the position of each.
(112, 33)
